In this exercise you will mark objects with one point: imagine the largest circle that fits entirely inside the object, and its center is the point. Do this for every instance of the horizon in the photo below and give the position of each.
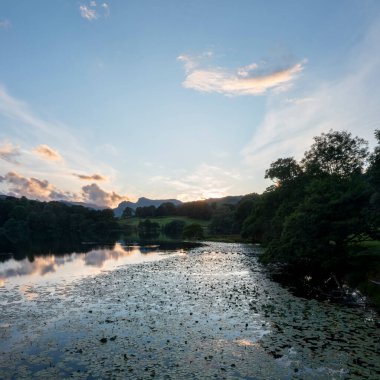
(102, 102)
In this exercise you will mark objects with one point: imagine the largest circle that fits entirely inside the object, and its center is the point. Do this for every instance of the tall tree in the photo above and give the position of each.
(336, 152)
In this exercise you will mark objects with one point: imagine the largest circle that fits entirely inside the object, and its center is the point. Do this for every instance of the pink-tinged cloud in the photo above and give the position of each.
(88, 13)
(94, 177)
(94, 194)
(48, 153)
(247, 80)
(34, 188)
(92, 11)
(9, 152)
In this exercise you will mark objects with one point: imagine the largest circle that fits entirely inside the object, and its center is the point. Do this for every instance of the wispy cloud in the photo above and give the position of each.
(91, 11)
(94, 194)
(31, 129)
(9, 152)
(5, 24)
(34, 188)
(94, 177)
(350, 102)
(206, 181)
(48, 153)
(253, 79)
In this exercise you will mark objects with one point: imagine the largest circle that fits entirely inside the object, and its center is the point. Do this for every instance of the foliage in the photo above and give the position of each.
(197, 210)
(23, 222)
(321, 206)
(283, 169)
(127, 212)
(145, 212)
(193, 231)
(174, 228)
(147, 228)
(166, 209)
(336, 153)
(222, 221)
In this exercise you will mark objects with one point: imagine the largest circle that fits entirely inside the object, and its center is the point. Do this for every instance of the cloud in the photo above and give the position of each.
(94, 194)
(94, 177)
(42, 190)
(246, 80)
(30, 127)
(9, 152)
(5, 24)
(88, 13)
(106, 8)
(204, 182)
(48, 153)
(34, 188)
(92, 11)
(350, 102)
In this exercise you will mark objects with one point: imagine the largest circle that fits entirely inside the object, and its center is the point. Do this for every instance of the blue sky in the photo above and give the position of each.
(102, 101)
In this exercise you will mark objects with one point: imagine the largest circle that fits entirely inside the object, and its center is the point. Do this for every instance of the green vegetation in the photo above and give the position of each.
(321, 210)
(25, 222)
(193, 231)
(321, 217)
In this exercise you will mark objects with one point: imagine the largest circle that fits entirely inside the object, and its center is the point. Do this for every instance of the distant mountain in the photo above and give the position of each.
(142, 202)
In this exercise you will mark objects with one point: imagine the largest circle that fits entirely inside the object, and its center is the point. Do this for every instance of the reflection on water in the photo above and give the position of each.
(212, 313)
(50, 268)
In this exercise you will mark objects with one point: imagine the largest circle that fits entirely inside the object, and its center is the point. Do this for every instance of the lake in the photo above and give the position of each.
(173, 311)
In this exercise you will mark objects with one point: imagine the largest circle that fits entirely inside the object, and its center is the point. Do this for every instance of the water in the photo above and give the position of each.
(206, 312)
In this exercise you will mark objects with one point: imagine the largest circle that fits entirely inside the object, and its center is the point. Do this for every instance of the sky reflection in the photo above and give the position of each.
(51, 268)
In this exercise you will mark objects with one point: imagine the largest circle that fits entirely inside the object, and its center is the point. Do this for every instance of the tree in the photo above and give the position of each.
(283, 169)
(322, 208)
(174, 228)
(222, 220)
(127, 212)
(148, 229)
(243, 209)
(193, 231)
(166, 209)
(145, 212)
(336, 153)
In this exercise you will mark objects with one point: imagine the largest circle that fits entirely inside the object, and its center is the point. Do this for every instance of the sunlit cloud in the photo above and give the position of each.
(92, 10)
(9, 152)
(5, 24)
(94, 194)
(18, 185)
(34, 188)
(32, 129)
(48, 153)
(204, 182)
(247, 80)
(88, 13)
(350, 102)
(94, 177)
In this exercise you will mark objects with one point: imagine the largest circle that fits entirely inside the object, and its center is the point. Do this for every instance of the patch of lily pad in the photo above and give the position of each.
(212, 313)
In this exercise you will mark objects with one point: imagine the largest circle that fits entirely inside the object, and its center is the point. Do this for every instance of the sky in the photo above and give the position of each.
(104, 101)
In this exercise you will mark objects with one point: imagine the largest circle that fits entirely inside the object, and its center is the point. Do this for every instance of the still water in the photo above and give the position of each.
(176, 312)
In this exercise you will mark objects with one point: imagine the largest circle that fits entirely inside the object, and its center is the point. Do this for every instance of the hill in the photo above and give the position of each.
(142, 202)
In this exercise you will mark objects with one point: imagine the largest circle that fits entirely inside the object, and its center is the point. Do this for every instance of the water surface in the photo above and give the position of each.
(206, 312)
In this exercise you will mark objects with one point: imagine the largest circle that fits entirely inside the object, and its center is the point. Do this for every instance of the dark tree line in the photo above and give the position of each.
(321, 208)
(196, 210)
(24, 222)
